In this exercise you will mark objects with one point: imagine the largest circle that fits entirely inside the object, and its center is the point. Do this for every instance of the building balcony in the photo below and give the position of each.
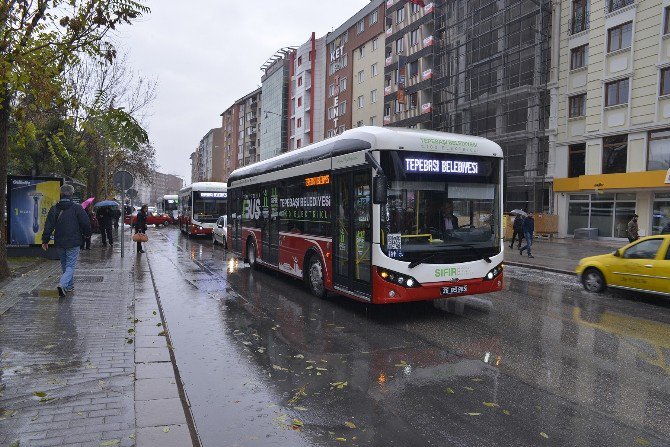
(579, 23)
(614, 5)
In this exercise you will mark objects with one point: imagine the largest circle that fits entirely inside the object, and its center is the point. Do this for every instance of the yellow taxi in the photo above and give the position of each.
(643, 265)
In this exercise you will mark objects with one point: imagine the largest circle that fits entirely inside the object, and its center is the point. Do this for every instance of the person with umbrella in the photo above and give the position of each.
(87, 205)
(517, 227)
(105, 215)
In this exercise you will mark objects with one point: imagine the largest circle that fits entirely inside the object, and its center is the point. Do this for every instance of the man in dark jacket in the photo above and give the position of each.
(105, 215)
(517, 231)
(116, 215)
(528, 229)
(69, 223)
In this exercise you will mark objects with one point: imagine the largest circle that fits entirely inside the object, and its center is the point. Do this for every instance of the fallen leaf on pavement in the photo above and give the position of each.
(279, 368)
(491, 404)
(110, 442)
(544, 435)
(350, 424)
(166, 429)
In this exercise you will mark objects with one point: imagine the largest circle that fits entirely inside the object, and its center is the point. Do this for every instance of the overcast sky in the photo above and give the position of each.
(205, 54)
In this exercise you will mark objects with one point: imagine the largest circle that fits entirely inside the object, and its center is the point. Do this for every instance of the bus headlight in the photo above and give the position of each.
(397, 278)
(495, 271)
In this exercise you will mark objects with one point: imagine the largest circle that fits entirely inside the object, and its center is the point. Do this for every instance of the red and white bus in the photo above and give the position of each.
(200, 206)
(381, 215)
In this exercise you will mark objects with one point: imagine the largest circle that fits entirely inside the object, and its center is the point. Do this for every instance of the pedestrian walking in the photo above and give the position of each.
(86, 241)
(69, 223)
(141, 225)
(517, 230)
(104, 214)
(528, 229)
(633, 229)
(116, 215)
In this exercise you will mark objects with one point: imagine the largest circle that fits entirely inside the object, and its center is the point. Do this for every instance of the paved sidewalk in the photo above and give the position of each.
(90, 369)
(558, 255)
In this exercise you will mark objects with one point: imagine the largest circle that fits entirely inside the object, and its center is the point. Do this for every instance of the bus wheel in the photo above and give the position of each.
(251, 254)
(315, 277)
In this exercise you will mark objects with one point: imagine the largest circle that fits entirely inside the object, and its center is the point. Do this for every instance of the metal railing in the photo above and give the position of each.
(613, 5)
(580, 22)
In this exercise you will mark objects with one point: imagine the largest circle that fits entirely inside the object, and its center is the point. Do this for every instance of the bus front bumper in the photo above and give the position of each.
(385, 292)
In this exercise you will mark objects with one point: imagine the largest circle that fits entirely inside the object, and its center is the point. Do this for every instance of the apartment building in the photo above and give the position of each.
(248, 138)
(274, 91)
(611, 150)
(341, 44)
(409, 63)
(368, 83)
(230, 126)
(164, 184)
(307, 92)
(207, 160)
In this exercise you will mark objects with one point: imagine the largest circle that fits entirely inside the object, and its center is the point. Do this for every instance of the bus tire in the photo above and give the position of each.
(314, 276)
(251, 254)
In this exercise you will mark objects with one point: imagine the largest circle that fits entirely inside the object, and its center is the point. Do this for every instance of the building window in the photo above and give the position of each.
(375, 43)
(413, 100)
(414, 69)
(399, 45)
(360, 26)
(399, 106)
(343, 84)
(659, 152)
(414, 38)
(414, 8)
(359, 123)
(373, 96)
(577, 105)
(299, 81)
(615, 154)
(580, 16)
(374, 16)
(400, 15)
(613, 5)
(579, 57)
(666, 20)
(374, 70)
(298, 143)
(661, 214)
(361, 76)
(343, 108)
(361, 51)
(299, 122)
(300, 101)
(387, 110)
(616, 92)
(299, 61)
(576, 160)
(360, 102)
(331, 90)
(372, 120)
(619, 37)
(665, 81)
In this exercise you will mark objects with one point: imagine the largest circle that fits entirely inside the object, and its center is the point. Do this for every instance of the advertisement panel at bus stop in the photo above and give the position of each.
(29, 200)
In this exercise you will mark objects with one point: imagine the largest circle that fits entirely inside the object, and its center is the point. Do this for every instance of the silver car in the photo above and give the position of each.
(220, 232)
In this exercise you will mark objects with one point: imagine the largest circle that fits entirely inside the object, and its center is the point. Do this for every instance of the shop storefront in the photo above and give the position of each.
(608, 201)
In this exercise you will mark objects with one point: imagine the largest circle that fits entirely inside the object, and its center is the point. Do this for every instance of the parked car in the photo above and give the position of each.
(643, 265)
(220, 232)
(152, 219)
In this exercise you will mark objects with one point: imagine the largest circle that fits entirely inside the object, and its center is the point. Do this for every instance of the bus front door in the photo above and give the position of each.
(352, 233)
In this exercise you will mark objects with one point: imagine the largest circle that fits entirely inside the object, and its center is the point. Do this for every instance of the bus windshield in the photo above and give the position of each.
(441, 208)
(208, 207)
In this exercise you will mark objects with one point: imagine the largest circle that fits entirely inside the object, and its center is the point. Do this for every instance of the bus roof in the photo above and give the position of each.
(374, 138)
(170, 197)
(205, 186)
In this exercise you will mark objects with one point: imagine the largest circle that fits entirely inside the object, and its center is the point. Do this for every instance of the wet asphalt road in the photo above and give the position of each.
(541, 363)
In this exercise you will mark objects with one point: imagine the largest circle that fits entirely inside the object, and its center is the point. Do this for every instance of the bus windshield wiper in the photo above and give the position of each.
(432, 255)
(424, 259)
(475, 249)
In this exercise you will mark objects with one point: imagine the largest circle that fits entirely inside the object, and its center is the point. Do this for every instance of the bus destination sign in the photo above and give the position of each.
(318, 180)
(216, 195)
(421, 165)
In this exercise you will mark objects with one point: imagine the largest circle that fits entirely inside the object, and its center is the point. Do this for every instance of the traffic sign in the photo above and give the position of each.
(123, 180)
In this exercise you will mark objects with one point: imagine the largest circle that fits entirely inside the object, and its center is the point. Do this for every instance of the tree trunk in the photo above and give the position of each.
(5, 102)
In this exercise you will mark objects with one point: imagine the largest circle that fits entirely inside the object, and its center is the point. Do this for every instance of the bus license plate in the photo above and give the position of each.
(452, 290)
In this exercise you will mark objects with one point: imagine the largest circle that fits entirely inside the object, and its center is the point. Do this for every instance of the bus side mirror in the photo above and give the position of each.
(379, 190)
